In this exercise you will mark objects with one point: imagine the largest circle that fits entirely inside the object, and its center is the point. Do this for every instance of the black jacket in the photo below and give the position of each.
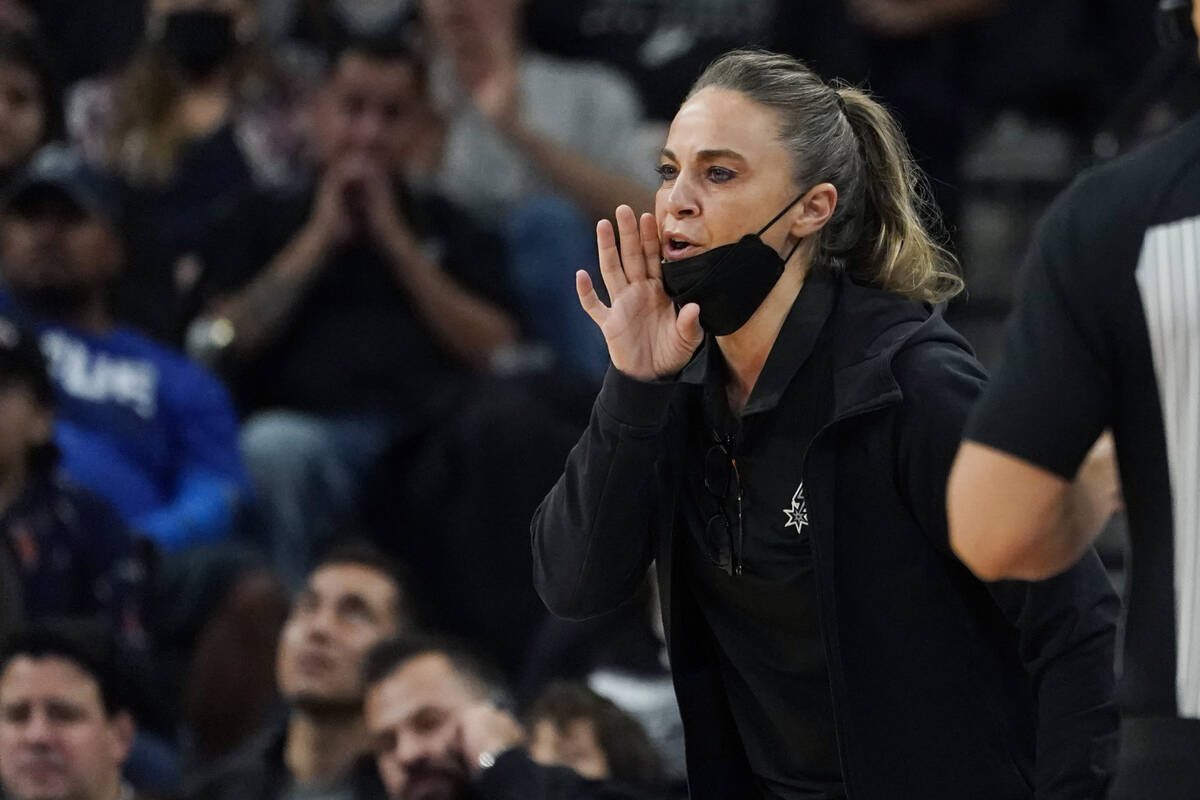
(943, 687)
(257, 772)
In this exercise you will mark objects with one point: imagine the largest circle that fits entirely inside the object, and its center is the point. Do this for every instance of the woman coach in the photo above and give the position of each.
(775, 431)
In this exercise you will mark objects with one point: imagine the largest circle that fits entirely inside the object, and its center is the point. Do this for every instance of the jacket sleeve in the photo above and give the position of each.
(1066, 626)
(516, 777)
(592, 534)
(209, 481)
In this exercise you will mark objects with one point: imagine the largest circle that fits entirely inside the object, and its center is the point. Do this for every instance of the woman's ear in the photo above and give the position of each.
(814, 210)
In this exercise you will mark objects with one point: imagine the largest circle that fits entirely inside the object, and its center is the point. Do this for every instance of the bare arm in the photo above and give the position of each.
(466, 325)
(1011, 519)
(595, 188)
(469, 327)
(261, 311)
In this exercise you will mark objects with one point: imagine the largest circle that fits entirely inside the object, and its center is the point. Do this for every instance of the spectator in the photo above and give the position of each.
(87, 38)
(351, 602)
(138, 424)
(435, 713)
(661, 44)
(572, 726)
(621, 656)
(538, 147)
(64, 733)
(529, 121)
(29, 102)
(72, 556)
(359, 312)
(199, 118)
(326, 26)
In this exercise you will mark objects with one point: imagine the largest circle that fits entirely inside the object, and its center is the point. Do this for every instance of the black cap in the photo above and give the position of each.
(61, 170)
(22, 362)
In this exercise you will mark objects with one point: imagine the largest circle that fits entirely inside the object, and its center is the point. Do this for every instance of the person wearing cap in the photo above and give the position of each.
(147, 430)
(68, 553)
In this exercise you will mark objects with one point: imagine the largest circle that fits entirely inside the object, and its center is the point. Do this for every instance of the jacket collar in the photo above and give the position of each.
(797, 337)
(867, 327)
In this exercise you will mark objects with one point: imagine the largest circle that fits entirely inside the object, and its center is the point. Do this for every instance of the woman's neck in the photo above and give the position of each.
(205, 107)
(746, 349)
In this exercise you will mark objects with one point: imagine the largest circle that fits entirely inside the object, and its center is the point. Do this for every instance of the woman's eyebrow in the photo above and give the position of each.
(710, 154)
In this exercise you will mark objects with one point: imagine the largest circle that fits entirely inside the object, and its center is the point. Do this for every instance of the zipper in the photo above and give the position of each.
(821, 613)
(738, 541)
(737, 556)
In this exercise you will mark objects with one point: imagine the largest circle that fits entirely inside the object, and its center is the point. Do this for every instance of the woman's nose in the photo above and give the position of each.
(680, 199)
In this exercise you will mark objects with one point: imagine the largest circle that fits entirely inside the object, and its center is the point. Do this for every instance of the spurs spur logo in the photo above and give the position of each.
(797, 512)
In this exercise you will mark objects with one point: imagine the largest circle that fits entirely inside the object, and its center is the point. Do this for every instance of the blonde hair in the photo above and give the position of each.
(882, 232)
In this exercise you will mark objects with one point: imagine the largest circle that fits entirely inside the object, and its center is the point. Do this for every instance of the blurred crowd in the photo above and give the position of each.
(290, 351)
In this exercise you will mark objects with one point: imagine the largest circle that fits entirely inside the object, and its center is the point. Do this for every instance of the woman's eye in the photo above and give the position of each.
(719, 174)
(666, 171)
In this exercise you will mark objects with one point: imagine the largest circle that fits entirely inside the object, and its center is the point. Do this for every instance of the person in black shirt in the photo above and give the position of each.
(359, 309)
(775, 431)
(71, 556)
(1107, 337)
(352, 601)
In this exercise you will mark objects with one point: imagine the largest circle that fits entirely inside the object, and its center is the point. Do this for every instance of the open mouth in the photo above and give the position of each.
(675, 248)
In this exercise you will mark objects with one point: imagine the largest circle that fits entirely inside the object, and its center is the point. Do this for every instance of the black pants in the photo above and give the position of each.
(1160, 760)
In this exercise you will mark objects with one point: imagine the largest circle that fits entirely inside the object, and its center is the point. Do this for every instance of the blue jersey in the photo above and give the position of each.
(146, 429)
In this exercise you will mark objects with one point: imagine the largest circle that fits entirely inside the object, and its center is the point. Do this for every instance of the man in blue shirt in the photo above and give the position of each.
(150, 432)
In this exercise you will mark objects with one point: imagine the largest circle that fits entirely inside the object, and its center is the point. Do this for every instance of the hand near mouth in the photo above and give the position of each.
(646, 338)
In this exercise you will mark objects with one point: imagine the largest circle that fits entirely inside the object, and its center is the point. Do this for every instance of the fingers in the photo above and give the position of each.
(651, 251)
(610, 259)
(588, 299)
(632, 256)
(687, 325)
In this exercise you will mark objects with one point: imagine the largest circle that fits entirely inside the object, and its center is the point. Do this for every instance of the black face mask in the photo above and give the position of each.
(729, 282)
(198, 41)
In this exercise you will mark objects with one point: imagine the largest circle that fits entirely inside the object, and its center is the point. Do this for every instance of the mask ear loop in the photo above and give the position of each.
(792, 252)
(776, 218)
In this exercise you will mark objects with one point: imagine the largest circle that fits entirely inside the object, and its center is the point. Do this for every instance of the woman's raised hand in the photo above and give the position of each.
(646, 338)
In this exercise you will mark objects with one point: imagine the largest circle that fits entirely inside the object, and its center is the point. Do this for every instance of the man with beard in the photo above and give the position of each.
(353, 600)
(150, 432)
(63, 731)
(435, 714)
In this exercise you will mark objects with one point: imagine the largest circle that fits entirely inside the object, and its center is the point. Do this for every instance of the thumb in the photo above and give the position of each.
(687, 325)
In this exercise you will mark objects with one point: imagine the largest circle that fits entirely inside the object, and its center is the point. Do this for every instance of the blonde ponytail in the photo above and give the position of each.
(896, 249)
